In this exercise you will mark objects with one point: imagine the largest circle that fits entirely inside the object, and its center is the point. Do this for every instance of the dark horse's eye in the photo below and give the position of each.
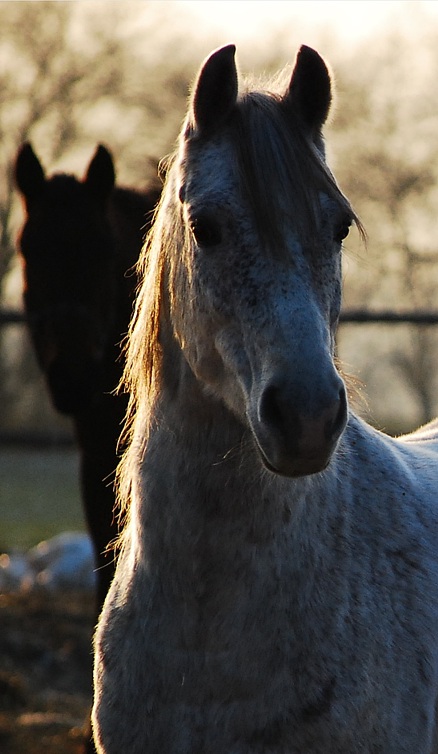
(342, 230)
(206, 231)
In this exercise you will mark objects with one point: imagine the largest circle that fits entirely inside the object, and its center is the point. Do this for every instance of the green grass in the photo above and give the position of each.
(39, 496)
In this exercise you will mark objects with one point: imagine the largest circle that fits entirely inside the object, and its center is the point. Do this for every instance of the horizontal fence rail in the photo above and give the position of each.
(11, 317)
(348, 316)
(365, 316)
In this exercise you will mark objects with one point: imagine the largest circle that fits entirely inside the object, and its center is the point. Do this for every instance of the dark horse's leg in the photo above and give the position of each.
(97, 433)
(98, 495)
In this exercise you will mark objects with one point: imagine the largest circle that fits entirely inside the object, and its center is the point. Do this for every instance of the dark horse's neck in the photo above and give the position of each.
(99, 425)
(130, 215)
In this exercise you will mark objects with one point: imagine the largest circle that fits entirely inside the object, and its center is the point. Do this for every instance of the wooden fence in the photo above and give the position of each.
(10, 317)
(348, 316)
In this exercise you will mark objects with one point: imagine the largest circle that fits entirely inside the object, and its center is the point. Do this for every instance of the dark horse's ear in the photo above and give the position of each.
(215, 91)
(29, 175)
(100, 176)
(310, 92)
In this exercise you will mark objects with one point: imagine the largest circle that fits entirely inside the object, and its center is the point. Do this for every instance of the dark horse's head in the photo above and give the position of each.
(67, 249)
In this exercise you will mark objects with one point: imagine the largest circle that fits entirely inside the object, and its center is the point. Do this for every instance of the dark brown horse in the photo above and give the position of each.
(78, 243)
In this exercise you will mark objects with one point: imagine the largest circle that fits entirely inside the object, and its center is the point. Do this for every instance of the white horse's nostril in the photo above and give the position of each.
(274, 411)
(297, 429)
(336, 417)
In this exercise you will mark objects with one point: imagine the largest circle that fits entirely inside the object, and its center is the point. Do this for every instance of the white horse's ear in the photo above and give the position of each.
(310, 90)
(215, 90)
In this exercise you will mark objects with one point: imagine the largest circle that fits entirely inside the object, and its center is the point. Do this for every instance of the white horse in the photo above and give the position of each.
(277, 588)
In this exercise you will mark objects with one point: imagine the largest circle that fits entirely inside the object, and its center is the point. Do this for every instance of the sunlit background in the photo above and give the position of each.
(350, 20)
(75, 74)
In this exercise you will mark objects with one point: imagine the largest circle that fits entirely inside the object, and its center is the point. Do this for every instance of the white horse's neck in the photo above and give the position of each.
(207, 514)
(214, 508)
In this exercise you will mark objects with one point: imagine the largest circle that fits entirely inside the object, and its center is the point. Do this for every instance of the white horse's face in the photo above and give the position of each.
(265, 317)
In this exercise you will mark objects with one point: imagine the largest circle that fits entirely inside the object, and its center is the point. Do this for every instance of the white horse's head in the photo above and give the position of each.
(255, 287)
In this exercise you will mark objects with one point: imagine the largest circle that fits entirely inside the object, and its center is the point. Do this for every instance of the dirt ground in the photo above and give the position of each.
(45, 672)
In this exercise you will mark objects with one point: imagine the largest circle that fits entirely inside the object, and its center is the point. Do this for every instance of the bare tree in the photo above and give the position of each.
(72, 75)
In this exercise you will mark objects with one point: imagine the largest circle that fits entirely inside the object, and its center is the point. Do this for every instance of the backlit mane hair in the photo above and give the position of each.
(142, 373)
(275, 159)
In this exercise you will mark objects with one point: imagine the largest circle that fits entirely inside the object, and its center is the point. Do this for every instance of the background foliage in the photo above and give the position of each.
(74, 74)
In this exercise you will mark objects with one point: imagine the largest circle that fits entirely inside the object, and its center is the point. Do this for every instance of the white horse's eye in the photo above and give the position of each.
(206, 231)
(342, 230)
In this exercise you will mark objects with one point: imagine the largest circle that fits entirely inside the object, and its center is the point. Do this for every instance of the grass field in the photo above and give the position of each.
(39, 496)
